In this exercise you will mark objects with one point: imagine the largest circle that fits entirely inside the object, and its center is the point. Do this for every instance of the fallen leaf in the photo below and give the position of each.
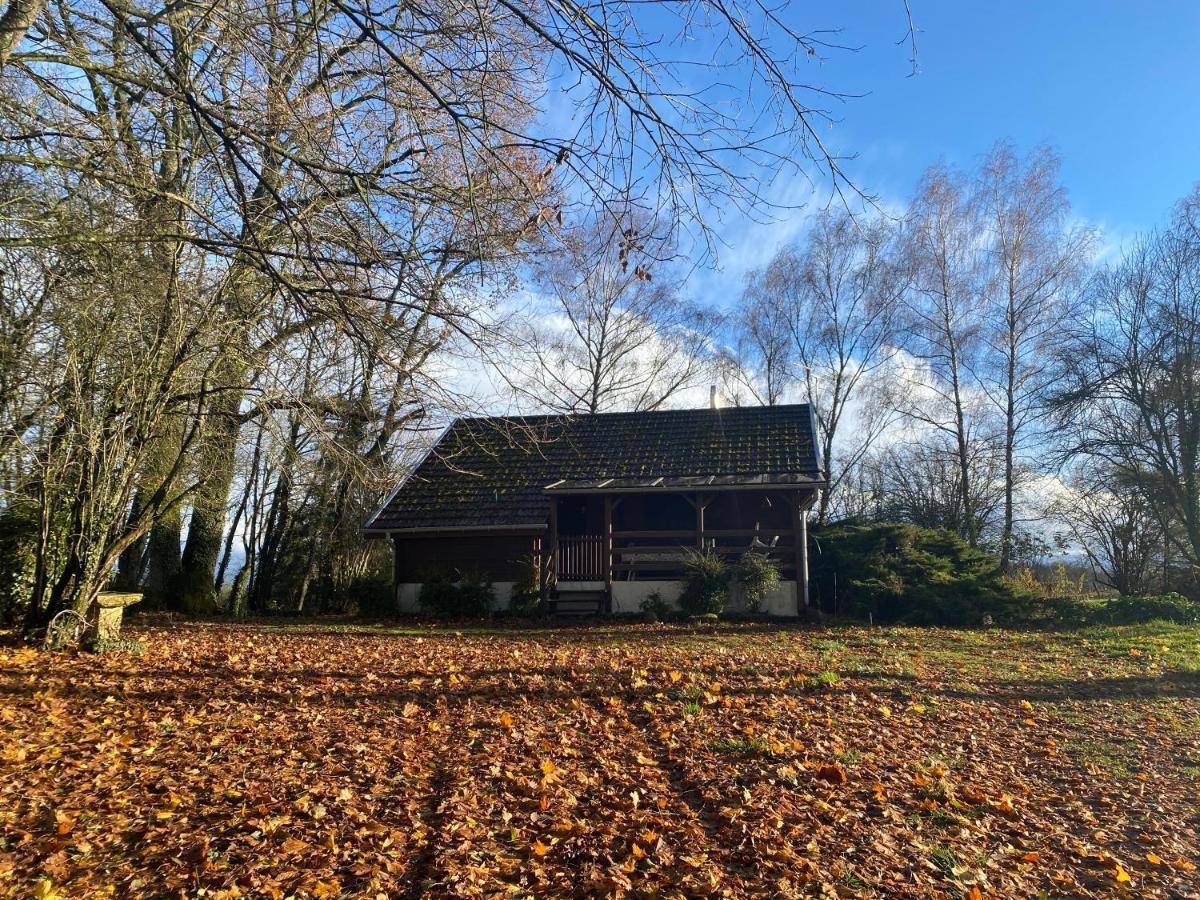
(831, 772)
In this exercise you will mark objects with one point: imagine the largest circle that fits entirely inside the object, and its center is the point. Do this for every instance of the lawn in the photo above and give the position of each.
(313, 760)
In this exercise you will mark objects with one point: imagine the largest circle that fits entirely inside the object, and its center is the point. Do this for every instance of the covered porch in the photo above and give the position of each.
(632, 534)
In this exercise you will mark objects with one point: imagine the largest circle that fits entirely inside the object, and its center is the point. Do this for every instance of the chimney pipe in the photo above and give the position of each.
(712, 396)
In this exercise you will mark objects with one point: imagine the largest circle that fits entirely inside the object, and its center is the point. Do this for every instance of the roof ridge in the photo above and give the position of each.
(630, 413)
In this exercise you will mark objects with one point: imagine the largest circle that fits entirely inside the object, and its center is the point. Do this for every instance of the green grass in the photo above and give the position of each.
(741, 746)
(945, 860)
(1101, 754)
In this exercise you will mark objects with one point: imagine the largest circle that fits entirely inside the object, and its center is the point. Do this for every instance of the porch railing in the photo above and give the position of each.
(580, 557)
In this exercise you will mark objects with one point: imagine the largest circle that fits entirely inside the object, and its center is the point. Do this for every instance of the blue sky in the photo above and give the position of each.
(1114, 87)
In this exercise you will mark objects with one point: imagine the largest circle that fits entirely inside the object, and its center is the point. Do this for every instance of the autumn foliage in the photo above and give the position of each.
(313, 761)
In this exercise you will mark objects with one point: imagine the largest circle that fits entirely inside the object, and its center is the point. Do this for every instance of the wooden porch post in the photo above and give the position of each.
(550, 569)
(800, 538)
(395, 569)
(802, 553)
(608, 549)
(699, 504)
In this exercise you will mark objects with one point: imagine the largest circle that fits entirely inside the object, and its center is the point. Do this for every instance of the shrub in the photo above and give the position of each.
(527, 592)
(18, 541)
(1166, 607)
(655, 608)
(705, 582)
(374, 595)
(1073, 612)
(921, 576)
(471, 596)
(758, 576)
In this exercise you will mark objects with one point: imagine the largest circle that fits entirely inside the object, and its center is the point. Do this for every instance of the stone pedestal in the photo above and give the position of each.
(110, 609)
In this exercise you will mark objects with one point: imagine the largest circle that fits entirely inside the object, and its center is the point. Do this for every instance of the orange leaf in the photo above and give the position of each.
(972, 794)
(831, 772)
(539, 849)
(1005, 806)
(65, 822)
(1154, 859)
(506, 720)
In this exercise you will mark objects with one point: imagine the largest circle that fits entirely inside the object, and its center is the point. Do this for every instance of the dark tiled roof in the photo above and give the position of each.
(493, 471)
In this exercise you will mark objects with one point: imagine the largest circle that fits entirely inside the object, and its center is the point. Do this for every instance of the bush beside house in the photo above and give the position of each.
(905, 574)
(469, 597)
(897, 573)
(705, 582)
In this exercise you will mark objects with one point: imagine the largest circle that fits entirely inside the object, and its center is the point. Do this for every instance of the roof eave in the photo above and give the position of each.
(558, 489)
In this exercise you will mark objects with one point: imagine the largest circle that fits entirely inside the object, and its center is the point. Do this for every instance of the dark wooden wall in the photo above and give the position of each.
(495, 555)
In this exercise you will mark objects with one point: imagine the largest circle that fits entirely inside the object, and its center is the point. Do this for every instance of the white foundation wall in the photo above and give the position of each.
(627, 597)
(779, 602)
(408, 595)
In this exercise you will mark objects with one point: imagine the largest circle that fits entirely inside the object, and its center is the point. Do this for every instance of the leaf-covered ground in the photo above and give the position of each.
(641, 760)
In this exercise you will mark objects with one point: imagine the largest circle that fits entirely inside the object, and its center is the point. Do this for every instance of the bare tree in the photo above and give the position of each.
(1117, 529)
(614, 332)
(1132, 375)
(760, 362)
(1035, 260)
(838, 293)
(920, 481)
(946, 322)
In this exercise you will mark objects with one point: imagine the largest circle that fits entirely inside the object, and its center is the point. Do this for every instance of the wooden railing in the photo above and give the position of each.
(580, 557)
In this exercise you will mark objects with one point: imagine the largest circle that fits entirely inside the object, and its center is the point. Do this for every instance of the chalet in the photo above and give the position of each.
(606, 502)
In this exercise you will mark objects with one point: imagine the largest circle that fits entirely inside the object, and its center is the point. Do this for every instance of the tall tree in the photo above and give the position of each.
(760, 362)
(1035, 260)
(945, 319)
(1128, 402)
(843, 292)
(822, 314)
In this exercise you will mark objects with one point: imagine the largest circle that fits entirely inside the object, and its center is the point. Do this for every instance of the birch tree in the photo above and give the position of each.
(945, 321)
(1035, 261)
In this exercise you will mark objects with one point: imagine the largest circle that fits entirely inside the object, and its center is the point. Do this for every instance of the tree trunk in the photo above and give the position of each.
(1010, 444)
(206, 527)
(15, 24)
